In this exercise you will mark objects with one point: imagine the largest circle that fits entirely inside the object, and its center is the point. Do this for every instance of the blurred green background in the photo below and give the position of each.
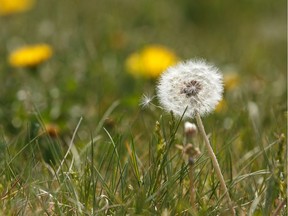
(92, 39)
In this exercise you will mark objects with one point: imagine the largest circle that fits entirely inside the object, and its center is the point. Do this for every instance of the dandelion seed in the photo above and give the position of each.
(195, 85)
(146, 101)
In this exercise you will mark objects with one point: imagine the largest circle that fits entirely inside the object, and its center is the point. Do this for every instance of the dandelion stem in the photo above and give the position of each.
(192, 186)
(187, 148)
(215, 162)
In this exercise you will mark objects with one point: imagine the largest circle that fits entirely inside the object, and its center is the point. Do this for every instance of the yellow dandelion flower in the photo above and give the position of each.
(8, 7)
(221, 106)
(133, 64)
(151, 61)
(156, 59)
(30, 56)
(231, 80)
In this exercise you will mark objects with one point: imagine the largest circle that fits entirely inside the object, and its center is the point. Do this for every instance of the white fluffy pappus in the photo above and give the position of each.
(146, 100)
(194, 84)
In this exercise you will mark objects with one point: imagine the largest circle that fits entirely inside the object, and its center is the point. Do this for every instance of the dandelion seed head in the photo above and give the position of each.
(146, 101)
(195, 85)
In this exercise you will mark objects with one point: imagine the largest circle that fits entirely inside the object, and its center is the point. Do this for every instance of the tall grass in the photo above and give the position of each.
(112, 175)
(109, 156)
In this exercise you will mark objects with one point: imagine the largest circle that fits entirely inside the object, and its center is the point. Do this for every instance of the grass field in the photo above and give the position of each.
(74, 140)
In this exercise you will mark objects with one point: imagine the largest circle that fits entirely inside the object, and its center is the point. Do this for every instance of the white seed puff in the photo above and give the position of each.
(194, 84)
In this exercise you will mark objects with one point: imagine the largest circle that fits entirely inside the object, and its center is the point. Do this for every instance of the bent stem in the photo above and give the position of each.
(215, 162)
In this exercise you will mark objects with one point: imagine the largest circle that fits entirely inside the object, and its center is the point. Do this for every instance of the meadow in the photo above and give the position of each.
(83, 132)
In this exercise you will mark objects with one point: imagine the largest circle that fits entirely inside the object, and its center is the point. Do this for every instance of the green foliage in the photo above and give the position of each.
(121, 159)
